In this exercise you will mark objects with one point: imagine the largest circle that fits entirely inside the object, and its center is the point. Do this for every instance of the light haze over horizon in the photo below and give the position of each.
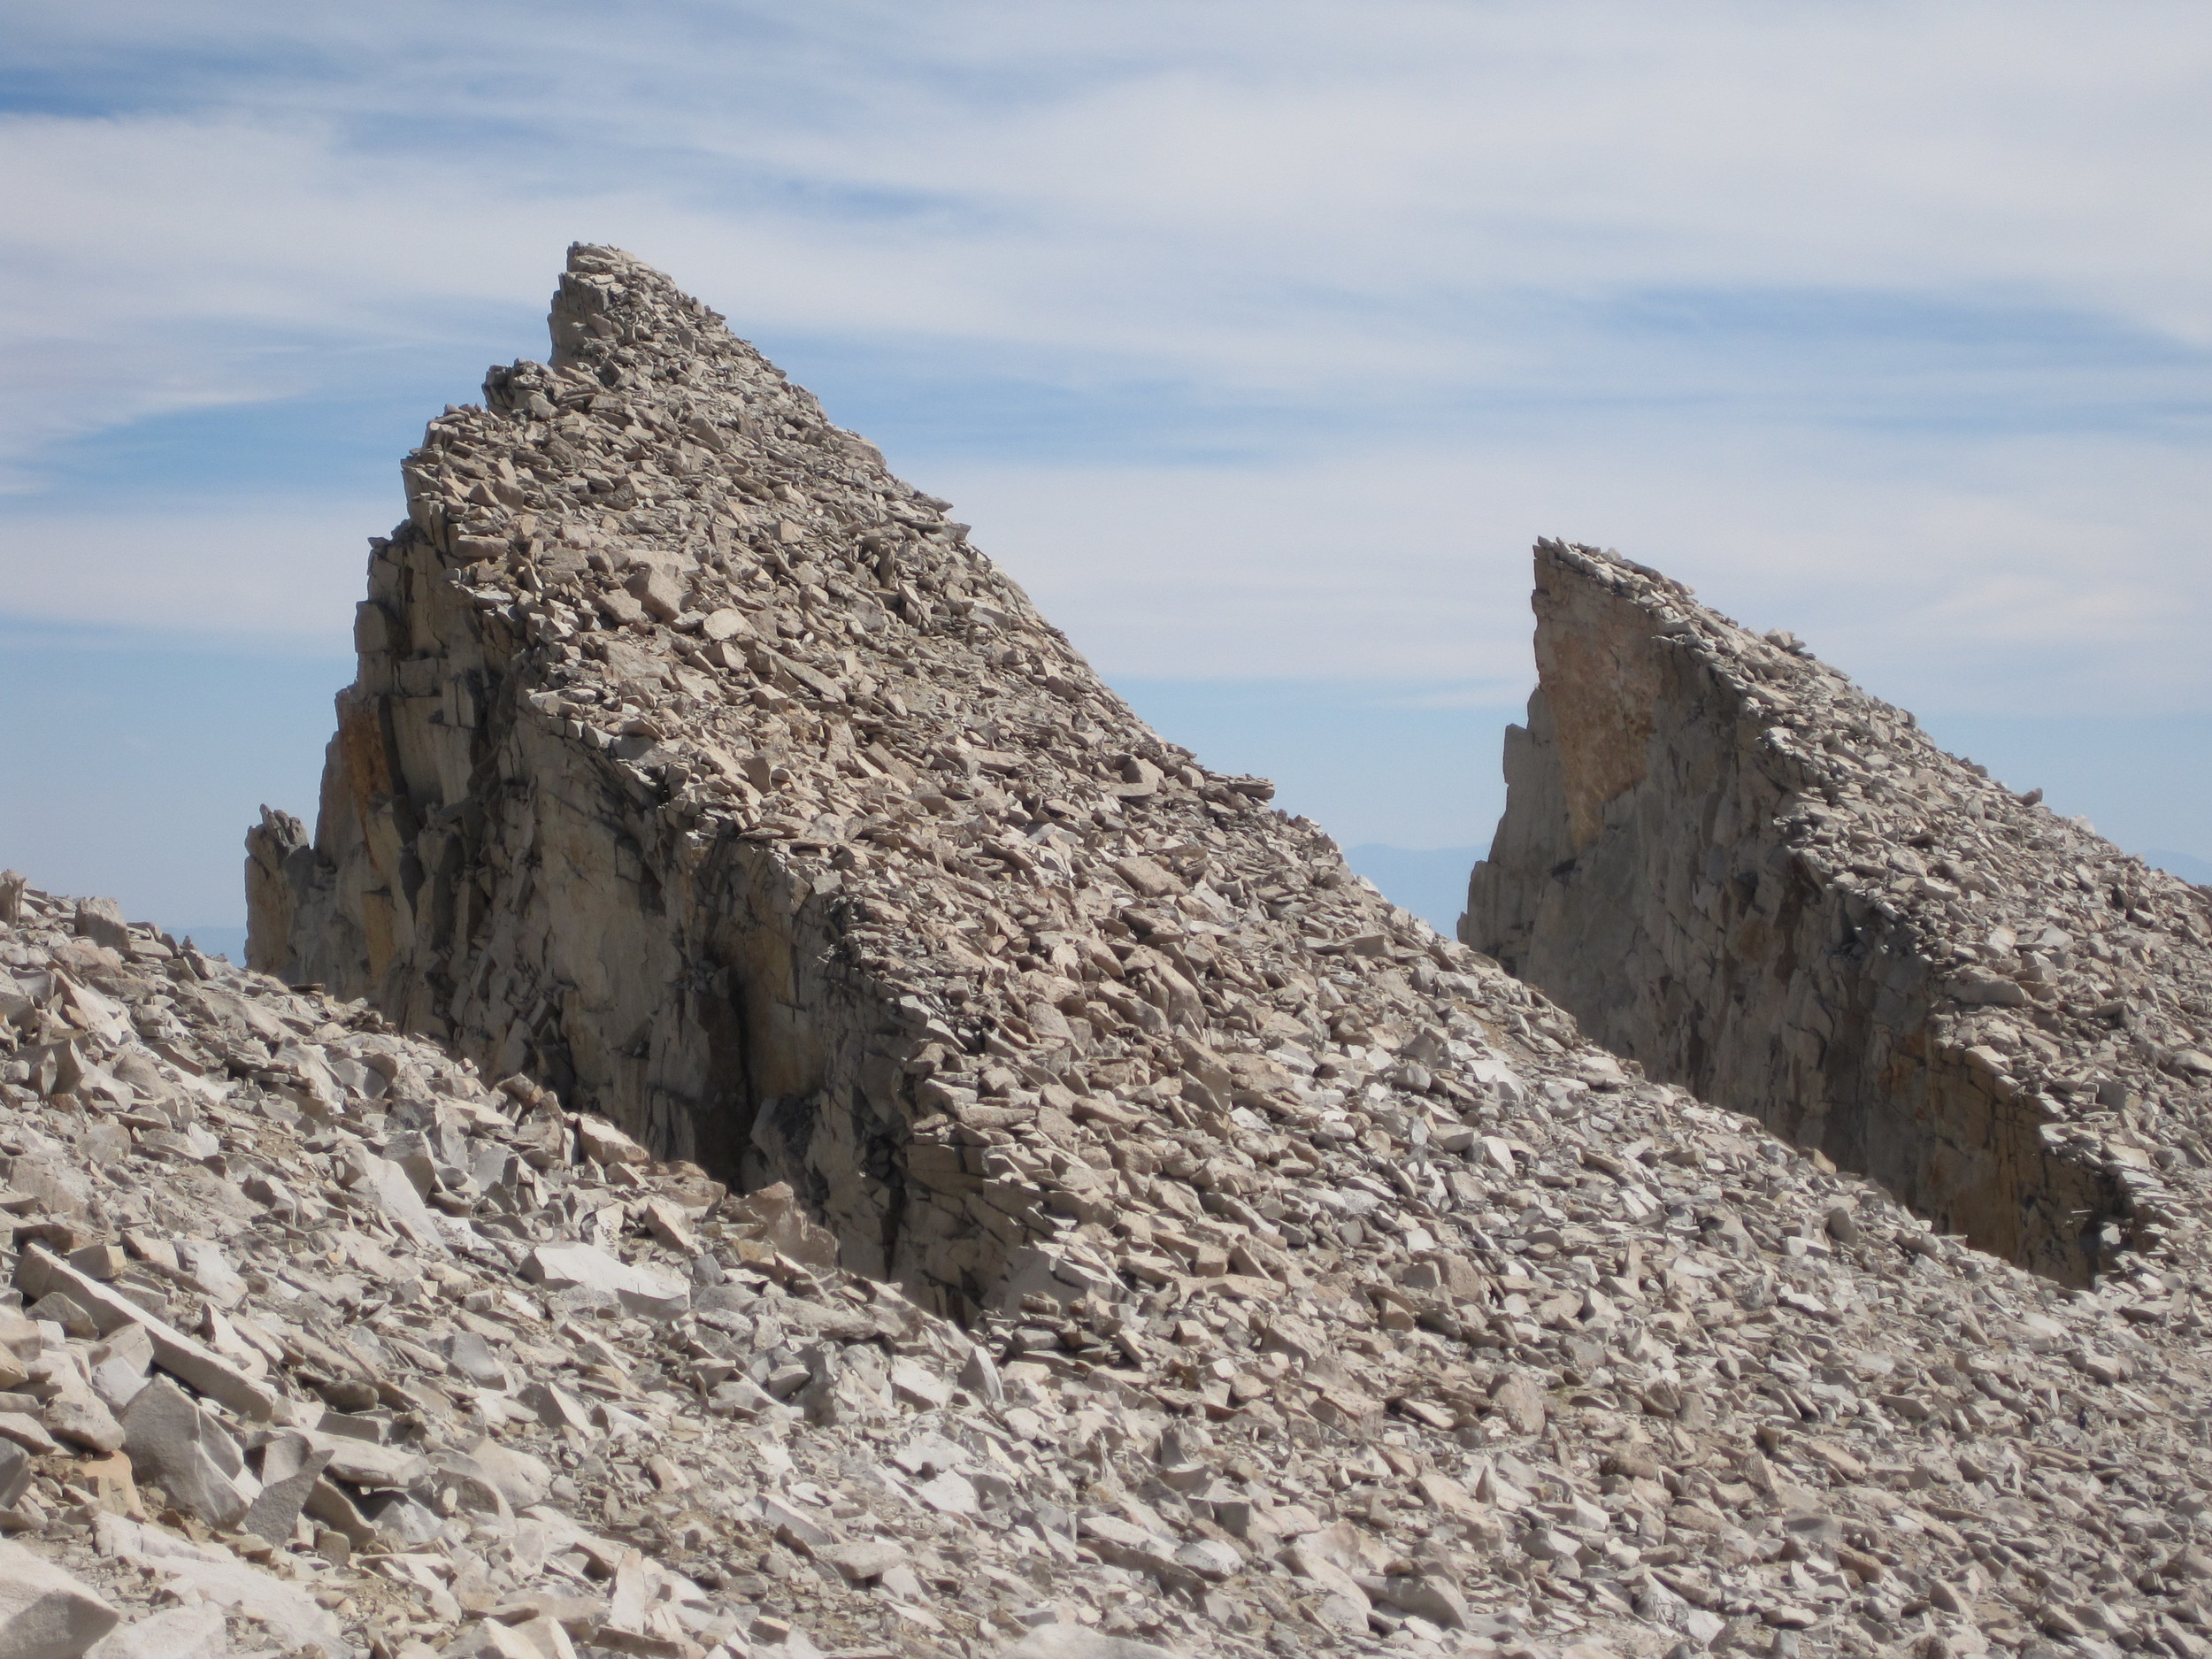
(1258, 343)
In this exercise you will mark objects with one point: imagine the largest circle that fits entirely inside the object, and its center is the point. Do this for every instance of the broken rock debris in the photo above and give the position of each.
(1144, 1240)
(1538, 1358)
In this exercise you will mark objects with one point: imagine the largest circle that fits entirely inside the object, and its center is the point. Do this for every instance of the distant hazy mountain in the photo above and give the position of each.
(216, 942)
(2182, 864)
(1431, 883)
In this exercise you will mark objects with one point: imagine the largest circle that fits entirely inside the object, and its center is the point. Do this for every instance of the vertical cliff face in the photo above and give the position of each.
(1730, 864)
(517, 846)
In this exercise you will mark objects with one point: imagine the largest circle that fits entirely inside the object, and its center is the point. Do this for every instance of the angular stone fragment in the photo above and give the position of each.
(16, 1469)
(555, 1408)
(521, 1478)
(365, 1464)
(917, 1385)
(288, 1612)
(603, 1143)
(584, 1267)
(1073, 1641)
(182, 1632)
(19, 1428)
(455, 1481)
(55, 1308)
(101, 920)
(392, 1189)
(1428, 1596)
(863, 1561)
(170, 1443)
(667, 1223)
(1520, 1401)
(291, 1467)
(472, 1357)
(44, 1612)
(728, 623)
(99, 1261)
(19, 1338)
(1210, 1558)
(657, 592)
(73, 1412)
(174, 1352)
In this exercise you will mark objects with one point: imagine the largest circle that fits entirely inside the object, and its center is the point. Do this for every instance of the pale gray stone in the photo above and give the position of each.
(287, 1611)
(291, 1466)
(170, 1442)
(44, 1612)
(1073, 1641)
(182, 1632)
(584, 1267)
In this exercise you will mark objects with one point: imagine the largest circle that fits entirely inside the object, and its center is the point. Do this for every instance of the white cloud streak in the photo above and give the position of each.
(2010, 586)
(1351, 214)
(287, 574)
(1207, 191)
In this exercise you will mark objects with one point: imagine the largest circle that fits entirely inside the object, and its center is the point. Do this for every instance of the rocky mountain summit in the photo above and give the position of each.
(1765, 885)
(772, 1118)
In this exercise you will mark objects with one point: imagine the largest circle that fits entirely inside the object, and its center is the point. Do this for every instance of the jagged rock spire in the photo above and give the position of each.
(1764, 884)
(700, 768)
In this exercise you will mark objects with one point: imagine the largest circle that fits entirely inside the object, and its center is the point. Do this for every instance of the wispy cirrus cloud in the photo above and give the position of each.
(1259, 338)
(1273, 196)
(2035, 576)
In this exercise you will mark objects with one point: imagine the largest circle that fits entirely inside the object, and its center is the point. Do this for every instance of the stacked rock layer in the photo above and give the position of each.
(1761, 882)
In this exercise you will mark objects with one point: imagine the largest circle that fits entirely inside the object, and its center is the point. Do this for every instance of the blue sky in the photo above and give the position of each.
(1257, 341)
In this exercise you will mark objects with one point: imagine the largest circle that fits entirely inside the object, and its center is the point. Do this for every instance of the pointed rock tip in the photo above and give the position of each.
(1673, 605)
(1582, 556)
(597, 256)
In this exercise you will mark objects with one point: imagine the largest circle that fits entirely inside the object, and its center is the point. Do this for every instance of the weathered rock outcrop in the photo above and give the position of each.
(1319, 1284)
(1763, 884)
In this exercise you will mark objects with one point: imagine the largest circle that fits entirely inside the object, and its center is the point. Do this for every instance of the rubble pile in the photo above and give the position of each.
(317, 1341)
(1767, 886)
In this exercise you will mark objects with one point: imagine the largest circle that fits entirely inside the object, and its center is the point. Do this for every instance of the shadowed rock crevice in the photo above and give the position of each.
(562, 929)
(1732, 865)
